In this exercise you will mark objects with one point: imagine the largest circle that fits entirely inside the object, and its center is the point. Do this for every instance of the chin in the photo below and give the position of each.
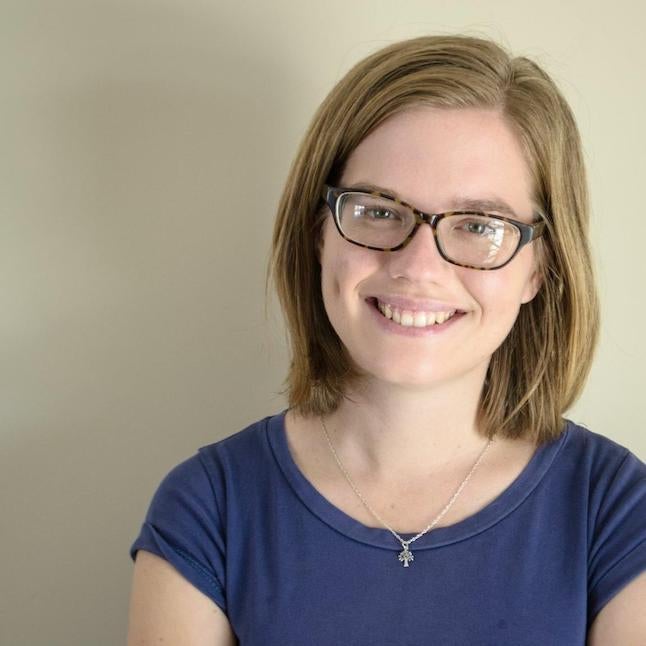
(419, 377)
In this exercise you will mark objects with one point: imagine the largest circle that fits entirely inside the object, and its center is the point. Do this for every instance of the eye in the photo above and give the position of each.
(381, 213)
(377, 213)
(478, 226)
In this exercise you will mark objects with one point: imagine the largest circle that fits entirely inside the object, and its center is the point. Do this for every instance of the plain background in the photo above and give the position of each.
(144, 147)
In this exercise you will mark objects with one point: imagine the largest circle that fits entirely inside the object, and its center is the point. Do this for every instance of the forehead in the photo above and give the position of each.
(439, 158)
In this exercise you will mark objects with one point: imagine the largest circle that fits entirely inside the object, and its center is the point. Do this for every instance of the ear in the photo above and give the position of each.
(532, 286)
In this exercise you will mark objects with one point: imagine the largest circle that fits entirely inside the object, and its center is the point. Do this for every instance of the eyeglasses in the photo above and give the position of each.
(472, 239)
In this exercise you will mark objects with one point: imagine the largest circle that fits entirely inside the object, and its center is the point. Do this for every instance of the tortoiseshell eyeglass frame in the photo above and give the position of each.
(528, 232)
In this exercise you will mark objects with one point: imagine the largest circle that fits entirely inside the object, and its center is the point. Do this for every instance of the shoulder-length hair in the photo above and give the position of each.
(540, 368)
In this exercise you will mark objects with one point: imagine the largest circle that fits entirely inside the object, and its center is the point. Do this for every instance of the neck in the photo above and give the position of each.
(388, 431)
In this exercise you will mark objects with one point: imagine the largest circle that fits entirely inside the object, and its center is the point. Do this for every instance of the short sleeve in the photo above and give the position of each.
(183, 526)
(618, 548)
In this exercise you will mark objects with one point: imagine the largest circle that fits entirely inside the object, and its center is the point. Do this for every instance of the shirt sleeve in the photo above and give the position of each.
(183, 526)
(618, 549)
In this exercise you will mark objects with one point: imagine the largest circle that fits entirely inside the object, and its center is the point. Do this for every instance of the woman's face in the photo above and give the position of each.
(438, 160)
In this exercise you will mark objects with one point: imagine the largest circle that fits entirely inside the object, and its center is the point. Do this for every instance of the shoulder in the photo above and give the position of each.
(612, 485)
(198, 502)
(606, 476)
(251, 438)
(206, 471)
(594, 443)
(243, 450)
(598, 455)
(200, 485)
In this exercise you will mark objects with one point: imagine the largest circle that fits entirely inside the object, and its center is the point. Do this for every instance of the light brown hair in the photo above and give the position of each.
(540, 368)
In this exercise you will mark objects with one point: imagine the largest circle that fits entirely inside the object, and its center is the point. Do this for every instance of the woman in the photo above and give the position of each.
(422, 487)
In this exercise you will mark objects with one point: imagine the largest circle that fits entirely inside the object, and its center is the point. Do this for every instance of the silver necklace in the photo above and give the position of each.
(405, 556)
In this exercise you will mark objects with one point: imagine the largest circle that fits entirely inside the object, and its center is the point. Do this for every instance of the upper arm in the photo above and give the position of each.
(165, 607)
(622, 621)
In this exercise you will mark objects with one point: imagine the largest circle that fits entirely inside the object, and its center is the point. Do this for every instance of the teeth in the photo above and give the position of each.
(408, 318)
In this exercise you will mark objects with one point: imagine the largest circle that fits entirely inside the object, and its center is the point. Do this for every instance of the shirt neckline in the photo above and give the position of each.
(503, 505)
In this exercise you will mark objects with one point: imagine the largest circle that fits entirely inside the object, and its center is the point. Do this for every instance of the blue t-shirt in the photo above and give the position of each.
(241, 522)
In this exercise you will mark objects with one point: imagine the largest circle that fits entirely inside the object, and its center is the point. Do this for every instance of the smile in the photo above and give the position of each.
(410, 318)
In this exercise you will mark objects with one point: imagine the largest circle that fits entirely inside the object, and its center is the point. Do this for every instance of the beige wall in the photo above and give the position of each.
(144, 145)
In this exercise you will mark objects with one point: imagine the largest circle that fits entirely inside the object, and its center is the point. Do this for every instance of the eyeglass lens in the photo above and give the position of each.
(471, 239)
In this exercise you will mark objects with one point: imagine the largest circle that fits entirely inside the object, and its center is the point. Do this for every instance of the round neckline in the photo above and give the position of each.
(503, 505)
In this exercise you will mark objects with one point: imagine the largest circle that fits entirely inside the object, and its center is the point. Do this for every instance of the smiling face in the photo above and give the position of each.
(438, 160)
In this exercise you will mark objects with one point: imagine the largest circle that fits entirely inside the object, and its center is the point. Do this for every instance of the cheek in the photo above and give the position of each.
(344, 268)
(336, 283)
(334, 272)
(499, 295)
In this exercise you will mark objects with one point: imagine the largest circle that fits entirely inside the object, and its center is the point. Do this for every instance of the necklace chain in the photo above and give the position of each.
(405, 556)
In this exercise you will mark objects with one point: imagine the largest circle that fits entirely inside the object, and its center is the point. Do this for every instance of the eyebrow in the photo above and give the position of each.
(487, 205)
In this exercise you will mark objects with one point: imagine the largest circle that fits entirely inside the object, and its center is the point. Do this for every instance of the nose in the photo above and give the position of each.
(420, 260)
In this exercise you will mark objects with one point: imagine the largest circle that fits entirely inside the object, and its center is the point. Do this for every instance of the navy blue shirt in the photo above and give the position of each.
(241, 522)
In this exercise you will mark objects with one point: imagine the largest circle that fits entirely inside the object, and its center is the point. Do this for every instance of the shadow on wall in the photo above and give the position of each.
(145, 169)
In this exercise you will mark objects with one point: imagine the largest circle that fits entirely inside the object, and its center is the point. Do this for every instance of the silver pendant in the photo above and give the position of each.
(405, 556)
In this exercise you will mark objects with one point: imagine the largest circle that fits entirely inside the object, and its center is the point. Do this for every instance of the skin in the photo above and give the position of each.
(434, 159)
